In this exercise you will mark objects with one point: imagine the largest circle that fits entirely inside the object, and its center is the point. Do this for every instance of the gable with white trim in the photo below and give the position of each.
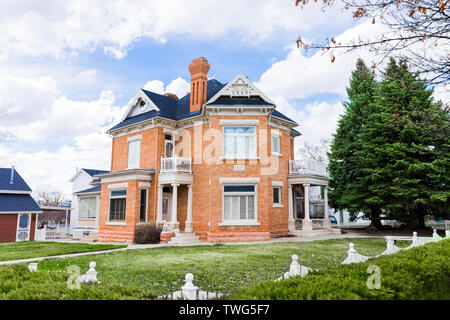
(141, 103)
(240, 86)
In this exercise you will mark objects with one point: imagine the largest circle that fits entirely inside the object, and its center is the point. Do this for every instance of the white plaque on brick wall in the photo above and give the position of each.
(239, 168)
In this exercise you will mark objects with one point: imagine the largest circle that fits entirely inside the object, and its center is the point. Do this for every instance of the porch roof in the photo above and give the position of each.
(18, 203)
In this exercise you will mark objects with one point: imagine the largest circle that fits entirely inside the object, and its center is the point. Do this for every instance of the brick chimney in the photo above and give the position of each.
(199, 76)
(171, 95)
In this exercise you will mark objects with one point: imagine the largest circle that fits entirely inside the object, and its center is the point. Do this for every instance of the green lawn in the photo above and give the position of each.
(148, 273)
(34, 249)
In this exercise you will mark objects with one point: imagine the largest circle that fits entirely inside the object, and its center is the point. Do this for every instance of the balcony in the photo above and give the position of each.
(307, 167)
(176, 164)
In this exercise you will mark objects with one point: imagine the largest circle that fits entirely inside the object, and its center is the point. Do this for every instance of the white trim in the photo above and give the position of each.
(279, 203)
(144, 184)
(29, 225)
(20, 212)
(239, 180)
(239, 223)
(15, 192)
(277, 183)
(118, 186)
(114, 223)
(249, 122)
(228, 91)
(140, 94)
(276, 132)
(134, 138)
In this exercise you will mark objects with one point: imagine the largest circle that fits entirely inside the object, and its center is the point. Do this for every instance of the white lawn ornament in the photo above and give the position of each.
(415, 241)
(436, 237)
(447, 234)
(390, 247)
(190, 292)
(295, 269)
(90, 276)
(353, 256)
(33, 266)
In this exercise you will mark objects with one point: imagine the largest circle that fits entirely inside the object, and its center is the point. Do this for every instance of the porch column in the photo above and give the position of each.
(175, 225)
(326, 219)
(188, 223)
(306, 223)
(159, 204)
(291, 223)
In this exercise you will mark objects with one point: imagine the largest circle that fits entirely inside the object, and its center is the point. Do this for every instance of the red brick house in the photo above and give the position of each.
(217, 164)
(18, 209)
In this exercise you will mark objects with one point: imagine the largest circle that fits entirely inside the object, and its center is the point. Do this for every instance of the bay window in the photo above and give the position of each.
(117, 205)
(239, 143)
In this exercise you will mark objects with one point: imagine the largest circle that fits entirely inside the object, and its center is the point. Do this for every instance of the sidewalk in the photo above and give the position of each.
(161, 245)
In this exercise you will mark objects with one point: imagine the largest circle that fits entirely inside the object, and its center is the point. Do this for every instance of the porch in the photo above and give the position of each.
(308, 197)
(175, 186)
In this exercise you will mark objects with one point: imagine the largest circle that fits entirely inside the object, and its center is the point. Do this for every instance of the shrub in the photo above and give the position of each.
(418, 273)
(147, 233)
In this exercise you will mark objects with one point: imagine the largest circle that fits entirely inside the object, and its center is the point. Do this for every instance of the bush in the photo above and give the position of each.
(147, 233)
(418, 273)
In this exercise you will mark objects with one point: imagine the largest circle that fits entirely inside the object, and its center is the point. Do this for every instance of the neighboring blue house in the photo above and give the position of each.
(18, 209)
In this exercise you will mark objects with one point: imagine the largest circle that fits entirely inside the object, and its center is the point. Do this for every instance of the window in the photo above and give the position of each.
(88, 207)
(277, 196)
(168, 153)
(276, 148)
(276, 144)
(143, 206)
(117, 205)
(239, 142)
(239, 203)
(134, 153)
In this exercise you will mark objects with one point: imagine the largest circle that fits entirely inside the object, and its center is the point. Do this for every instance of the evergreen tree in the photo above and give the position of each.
(344, 171)
(405, 148)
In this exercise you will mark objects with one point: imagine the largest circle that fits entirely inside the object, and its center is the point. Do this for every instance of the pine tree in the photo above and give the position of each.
(344, 171)
(405, 148)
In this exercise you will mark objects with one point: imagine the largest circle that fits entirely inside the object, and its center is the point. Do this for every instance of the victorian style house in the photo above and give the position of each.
(217, 164)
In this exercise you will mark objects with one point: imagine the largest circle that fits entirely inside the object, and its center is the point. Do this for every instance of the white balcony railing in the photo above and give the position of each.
(307, 167)
(176, 164)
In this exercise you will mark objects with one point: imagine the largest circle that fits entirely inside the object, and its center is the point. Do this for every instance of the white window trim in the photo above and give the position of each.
(250, 157)
(138, 156)
(146, 204)
(279, 204)
(277, 183)
(96, 207)
(116, 222)
(276, 133)
(118, 186)
(246, 222)
(239, 123)
(239, 180)
(134, 138)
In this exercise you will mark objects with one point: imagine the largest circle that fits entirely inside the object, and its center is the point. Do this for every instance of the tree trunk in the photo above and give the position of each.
(375, 217)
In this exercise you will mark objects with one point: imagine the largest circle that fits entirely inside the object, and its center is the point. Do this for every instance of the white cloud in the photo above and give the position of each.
(53, 27)
(86, 76)
(156, 86)
(178, 86)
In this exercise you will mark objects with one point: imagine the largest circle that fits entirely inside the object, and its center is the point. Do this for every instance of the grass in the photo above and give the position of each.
(415, 274)
(149, 273)
(26, 249)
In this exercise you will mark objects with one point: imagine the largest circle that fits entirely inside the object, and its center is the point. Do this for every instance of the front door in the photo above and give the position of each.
(167, 207)
(23, 227)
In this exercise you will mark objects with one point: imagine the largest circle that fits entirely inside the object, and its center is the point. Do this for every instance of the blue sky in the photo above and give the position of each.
(68, 69)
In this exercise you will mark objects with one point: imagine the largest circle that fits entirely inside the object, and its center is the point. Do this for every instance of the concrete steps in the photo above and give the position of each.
(185, 238)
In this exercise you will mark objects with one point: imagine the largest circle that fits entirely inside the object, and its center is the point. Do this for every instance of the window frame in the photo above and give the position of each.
(96, 207)
(279, 203)
(275, 134)
(136, 165)
(240, 222)
(140, 204)
(111, 197)
(235, 156)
